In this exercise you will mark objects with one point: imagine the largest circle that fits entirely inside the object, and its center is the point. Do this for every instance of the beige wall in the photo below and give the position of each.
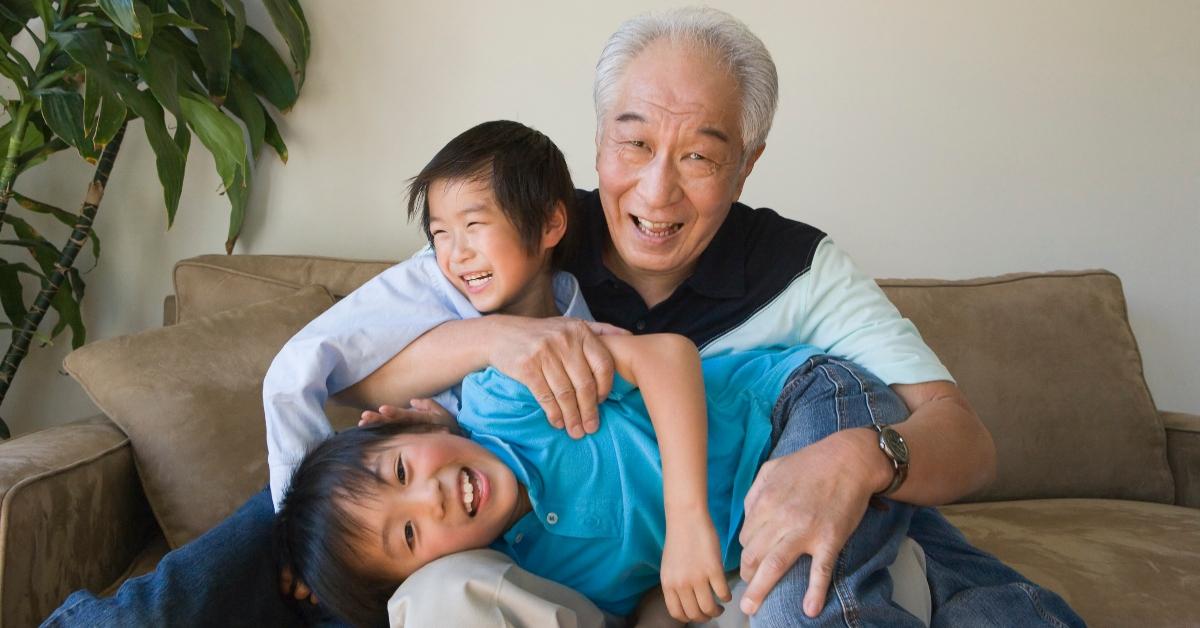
(940, 139)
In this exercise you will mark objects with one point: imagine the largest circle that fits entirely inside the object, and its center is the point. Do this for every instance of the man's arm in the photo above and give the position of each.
(846, 314)
(666, 367)
(561, 360)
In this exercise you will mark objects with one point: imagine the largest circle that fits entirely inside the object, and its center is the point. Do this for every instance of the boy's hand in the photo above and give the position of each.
(425, 410)
(692, 570)
(289, 585)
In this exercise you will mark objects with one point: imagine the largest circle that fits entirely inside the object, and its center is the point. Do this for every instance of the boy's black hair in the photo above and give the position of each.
(527, 173)
(314, 531)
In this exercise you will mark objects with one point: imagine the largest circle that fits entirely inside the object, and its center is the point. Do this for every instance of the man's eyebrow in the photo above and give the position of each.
(630, 116)
(714, 133)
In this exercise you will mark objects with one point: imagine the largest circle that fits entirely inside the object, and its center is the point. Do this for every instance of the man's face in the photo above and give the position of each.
(670, 159)
(441, 494)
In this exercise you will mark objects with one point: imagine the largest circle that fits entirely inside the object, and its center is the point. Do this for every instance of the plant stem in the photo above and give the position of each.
(79, 236)
(8, 173)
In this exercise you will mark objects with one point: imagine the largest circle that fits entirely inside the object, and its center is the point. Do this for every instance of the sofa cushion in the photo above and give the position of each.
(190, 398)
(208, 284)
(1051, 366)
(1117, 563)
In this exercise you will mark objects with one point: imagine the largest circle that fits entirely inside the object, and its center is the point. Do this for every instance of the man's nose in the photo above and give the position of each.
(659, 184)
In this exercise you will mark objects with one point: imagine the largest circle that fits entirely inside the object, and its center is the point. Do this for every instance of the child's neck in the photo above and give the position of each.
(536, 300)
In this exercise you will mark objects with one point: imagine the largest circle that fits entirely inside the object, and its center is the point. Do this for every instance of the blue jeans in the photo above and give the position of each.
(227, 577)
(969, 587)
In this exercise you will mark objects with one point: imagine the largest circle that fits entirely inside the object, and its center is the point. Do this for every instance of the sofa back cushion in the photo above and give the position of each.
(1050, 364)
(208, 284)
(189, 397)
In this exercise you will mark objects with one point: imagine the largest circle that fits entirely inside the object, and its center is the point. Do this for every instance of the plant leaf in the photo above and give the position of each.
(46, 13)
(12, 292)
(46, 255)
(289, 19)
(63, 112)
(260, 64)
(244, 104)
(161, 72)
(274, 138)
(92, 94)
(171, 19)
(69, 314)
(112, 115)
(121, 12)
(145, 18)
(214, 44)
(238, 10)
(239, 194)
(219, 134)
(169, 159)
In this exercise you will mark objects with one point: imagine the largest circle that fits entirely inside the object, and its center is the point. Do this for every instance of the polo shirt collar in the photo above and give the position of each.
(720, 272)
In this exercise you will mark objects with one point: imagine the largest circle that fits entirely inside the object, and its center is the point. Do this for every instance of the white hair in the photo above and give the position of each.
(718, 34)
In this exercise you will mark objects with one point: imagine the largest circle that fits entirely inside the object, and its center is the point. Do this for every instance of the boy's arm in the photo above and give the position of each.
(666, 367)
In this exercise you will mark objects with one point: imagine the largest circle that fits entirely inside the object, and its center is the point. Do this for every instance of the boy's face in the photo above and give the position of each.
(482, 254)
(441, 494)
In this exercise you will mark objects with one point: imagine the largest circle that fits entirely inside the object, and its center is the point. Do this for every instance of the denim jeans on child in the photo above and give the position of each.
(969, 587)
(230, 577)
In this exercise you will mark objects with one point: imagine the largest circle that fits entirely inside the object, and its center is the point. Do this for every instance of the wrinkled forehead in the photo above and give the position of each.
(677, 79)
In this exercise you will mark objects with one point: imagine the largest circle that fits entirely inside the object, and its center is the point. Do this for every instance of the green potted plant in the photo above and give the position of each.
(97, 66)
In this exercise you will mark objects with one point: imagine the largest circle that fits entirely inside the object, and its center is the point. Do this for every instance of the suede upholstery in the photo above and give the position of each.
(1117, 562)
(72, 515)
(1048, 360)
(200, 445)
(1051, 366)
(1183, 452)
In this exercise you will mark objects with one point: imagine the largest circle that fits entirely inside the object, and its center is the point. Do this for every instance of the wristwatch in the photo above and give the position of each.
(893, 446)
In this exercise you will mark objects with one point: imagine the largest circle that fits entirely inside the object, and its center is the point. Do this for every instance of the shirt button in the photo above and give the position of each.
(640, 325)
(552, 518)
(520, 537)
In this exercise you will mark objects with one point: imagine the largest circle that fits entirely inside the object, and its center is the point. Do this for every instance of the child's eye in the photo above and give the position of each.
(409, 533)
(400, 475)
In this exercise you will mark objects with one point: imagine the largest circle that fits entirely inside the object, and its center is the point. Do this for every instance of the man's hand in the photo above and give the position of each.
(422, 410)
(692, 571)
(300, 592)
(568, 370)
(808, 502)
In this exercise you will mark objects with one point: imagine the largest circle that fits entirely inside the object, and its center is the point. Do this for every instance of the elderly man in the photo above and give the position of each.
(684, 102)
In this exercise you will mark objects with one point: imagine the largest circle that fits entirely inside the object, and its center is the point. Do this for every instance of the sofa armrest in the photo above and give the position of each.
(1183, 453)
(72, 515)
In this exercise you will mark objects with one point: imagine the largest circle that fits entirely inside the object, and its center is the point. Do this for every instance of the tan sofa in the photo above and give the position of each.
(1098, 493)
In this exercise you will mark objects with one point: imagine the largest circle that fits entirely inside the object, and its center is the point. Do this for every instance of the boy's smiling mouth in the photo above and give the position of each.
(471, 490)
(476, 281)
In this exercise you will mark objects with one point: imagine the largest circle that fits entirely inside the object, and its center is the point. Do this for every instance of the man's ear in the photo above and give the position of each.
(745, 173)
(555, 227)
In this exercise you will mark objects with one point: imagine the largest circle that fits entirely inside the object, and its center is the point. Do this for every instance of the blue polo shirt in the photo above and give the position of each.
(598, 524)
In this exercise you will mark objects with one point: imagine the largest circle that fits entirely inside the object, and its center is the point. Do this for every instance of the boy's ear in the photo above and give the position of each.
(556, 227)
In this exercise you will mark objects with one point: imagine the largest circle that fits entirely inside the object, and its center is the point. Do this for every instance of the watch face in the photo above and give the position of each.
(895, 444)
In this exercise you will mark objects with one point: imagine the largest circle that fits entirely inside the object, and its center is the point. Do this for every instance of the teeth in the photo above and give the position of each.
(656, 228)
(477, 279)
(468, 491)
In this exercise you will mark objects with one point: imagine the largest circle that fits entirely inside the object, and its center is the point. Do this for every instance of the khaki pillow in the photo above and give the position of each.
(1051, 366)
(190, 398)
(208, 284)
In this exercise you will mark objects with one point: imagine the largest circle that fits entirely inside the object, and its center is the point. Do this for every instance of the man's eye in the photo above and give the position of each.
(636, 143)
(400, 474)
(695, 156)
(409, 534)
